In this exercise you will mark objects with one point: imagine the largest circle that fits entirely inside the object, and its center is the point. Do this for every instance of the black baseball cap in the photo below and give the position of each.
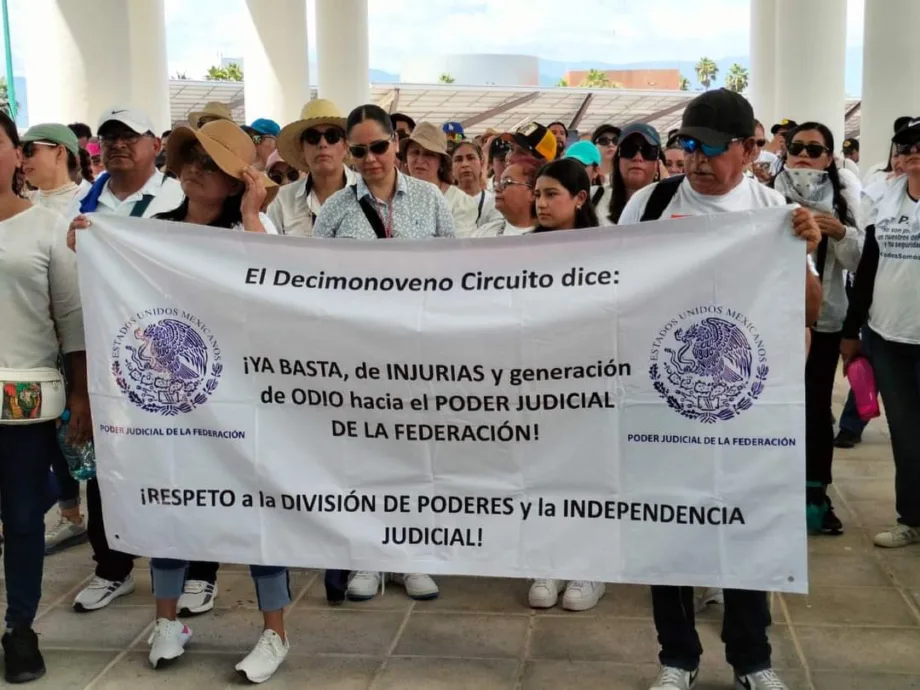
(716, 117)
(536, 139)
(901, 123)
(605, 129)
(783, 125)
(908, 133)
(851, 144)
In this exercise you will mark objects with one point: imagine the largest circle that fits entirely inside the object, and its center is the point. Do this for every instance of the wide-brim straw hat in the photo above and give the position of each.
(427, 135)
(213, 109)
(230, 147)
(317, 112)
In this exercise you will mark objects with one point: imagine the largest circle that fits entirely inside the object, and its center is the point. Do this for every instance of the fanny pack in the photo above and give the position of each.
(30, 396)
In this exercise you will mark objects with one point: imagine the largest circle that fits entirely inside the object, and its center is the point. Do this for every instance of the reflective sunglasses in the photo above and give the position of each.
(691, 146)
(813, 150)
(629, 148)
(378, 148)
(28, 148)
(279, 177)
(901, 149)
(502, 184)
(332, 136)
(606, 141)
(761, 142)
(206, 163)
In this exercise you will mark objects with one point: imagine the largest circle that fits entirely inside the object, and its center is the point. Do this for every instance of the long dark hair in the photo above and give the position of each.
(230, 213)
(373, 112)
(572, 175)
(9, 127)
(841, 208)
(84, 164)
(620, 195)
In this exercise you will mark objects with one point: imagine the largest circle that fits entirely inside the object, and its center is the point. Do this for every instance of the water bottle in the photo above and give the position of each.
(865, 393)
(81, 460)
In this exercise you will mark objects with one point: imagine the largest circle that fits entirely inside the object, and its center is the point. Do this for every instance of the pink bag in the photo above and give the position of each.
(862, 383)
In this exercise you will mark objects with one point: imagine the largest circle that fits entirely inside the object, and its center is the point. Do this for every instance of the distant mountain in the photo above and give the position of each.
(378, 76)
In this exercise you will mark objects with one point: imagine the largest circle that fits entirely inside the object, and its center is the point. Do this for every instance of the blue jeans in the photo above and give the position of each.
(850, 419)
(26, 453)
(897, 373)
(273, 587)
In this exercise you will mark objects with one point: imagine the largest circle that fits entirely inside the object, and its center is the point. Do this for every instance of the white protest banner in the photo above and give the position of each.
(619, 404)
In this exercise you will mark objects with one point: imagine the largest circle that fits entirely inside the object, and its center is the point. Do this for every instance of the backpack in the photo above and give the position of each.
(661, 196)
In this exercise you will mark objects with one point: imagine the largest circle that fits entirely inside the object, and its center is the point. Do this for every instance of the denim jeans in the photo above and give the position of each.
(273, 587)
(25, 456)
(744, 629)
(850, 419)
(897, 373)
(68, 487)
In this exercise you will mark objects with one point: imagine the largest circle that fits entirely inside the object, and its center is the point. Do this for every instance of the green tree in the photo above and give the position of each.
(232, 72)
(737, 78)
(596, 79)
(5, 96)
(684, 83)
(562, 82)
(706, 72)
(446, 79)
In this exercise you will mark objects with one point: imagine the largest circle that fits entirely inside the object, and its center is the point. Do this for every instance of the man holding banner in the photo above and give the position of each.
(717, 137)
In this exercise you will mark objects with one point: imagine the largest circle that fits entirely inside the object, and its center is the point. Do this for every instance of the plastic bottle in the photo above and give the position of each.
(80, 459)
(865, 394)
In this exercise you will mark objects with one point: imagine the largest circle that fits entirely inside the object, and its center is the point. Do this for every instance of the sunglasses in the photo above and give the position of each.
(279, 177)
(760, 142)
(606, 141)
(129, 138)
(691, 146)
(204, 161)
(629, 148)
(29, 150)
(813, 150)
(901, 149)
(332, 136)
(378, 148)
(502, 184)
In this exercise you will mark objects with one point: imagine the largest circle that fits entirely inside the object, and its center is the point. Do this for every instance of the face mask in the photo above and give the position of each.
(810, 188)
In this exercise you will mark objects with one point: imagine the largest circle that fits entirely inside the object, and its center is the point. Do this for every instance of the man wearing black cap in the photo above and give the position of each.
(717, 137)
(532, 141)
(403, 125)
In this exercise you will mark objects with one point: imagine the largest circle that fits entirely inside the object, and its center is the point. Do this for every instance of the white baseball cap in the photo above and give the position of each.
(133, 118)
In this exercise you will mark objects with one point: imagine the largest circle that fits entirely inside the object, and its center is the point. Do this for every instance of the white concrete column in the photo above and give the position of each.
(891, 64)
(78, 63)
(342, 52)
(811, 62)
(149, 67)
(762, 89)
(276, 61)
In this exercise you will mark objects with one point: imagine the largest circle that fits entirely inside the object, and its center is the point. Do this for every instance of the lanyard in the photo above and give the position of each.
(388, 223)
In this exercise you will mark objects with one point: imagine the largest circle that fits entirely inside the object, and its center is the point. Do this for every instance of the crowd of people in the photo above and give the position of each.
(374, 175)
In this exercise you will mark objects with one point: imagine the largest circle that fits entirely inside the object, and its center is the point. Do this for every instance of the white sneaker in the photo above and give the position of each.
(99, 593)
(265, 658)
(197, 597)
(167, 641)
(709, 597)
(418, 585)
(363, 585)
(671, 678)
(762, 680)
(544, 593)
(65, 534)
(898, 536)
(581, 595)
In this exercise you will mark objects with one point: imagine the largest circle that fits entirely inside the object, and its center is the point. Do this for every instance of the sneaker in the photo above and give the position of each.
(167, 641)
(418, 585)
(712, 596)
(762, 680)
(846, 439)
(197, 597)
(64, 534)
(24, 661)
(363, 585)
(100, 592)
(831, 524)
(896, 537)
(671, 678)
(265, 658)
(545, 593)
(582, 595)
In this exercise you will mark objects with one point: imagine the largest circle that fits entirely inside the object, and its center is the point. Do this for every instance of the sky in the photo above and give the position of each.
(200, 32)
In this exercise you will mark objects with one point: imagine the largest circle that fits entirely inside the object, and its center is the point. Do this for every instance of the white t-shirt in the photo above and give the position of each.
(766, 157)
(294, 212)
(489, 214)
(64, 200)
(167, 195)
(270, 227)
(875, 174)
(501, 228)
(464, 210)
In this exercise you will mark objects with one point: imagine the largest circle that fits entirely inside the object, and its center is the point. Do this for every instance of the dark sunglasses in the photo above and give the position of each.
(279, 177)
(901, 149)
(332, 136)
(813, 150)
(691, 146)
(128, 137)
(629, 148)
(29, 148)
(761, 142)
(606, 141)
(378, 148)
(205, 162)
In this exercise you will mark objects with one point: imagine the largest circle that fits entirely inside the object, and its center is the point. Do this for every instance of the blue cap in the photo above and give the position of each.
(647, 132)
(267, 127)
(584, 152)
(453, 130)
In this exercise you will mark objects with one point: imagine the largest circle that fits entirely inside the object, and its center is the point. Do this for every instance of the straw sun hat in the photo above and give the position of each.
(230, 147)
(221, 111)
(317, 112)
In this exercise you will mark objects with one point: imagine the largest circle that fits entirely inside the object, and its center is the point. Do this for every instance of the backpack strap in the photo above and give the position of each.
(482, 200)
(140, 207)
(371, 214)
(598, 195)
(661, 196)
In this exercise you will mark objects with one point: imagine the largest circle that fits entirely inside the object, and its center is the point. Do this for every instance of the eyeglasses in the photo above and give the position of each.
(278, 177)
(813, 150)
(691, 146)
(505, 182)
(901, 149)
(332, 136)
(633, 145)
(28, 148)
(129, 138)
(760, 142)
(606, 141)
(378, 148)
(204, 161)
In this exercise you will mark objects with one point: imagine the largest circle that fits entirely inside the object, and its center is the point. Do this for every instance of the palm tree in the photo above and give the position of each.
(684, 83)
(446, 79)
(596, 79)
(737, 78)
(706, 71)
(231, 72)
(562, 82)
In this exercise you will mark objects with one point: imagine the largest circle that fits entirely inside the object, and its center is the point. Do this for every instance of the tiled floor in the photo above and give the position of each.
(859, 629)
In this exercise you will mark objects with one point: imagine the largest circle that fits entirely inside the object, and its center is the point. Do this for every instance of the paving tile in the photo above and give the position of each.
(480, 595)
(850, 606)
(846, 570)
(853, 540)
(340, 631)
(874, 515)
(784, 655)
(825, 680)
(464, 635)
(855, 465)
(321, 673)
(69, 669)
(546, 674)
(886, 650)
(432, 673)
(108, 628)
(905, 566)
(394, 599)
(236, 590)
(594, 639)
(866, 489)
(190, 672)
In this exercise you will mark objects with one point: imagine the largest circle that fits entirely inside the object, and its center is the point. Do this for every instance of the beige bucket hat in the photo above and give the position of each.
(427, 135)
(319, 111)
(221, 111)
